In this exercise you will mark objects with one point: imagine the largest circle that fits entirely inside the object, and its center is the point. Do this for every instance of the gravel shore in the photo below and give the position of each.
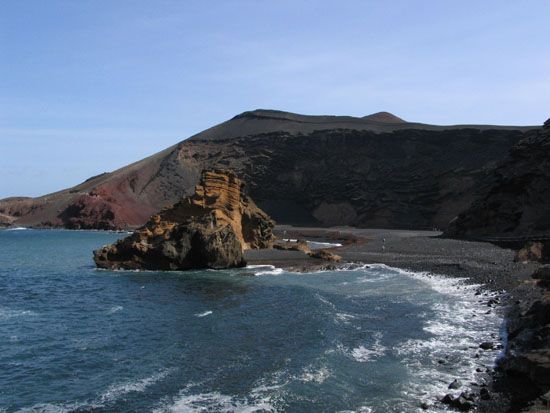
(481, 263)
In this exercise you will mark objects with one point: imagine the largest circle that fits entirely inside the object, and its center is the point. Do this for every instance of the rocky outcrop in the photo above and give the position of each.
(325, 255)
(93, 211)
(517, 203)
(534, 251)
(6, 220)
(209, 229)
(525, 367)
(297, 245)
(376, 171)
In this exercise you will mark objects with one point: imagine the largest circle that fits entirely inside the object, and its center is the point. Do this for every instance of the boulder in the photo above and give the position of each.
(209, 229)
(325, 255)
(542, 275)
(455, 384)
(533, 251)
(487, 345)
(298, 245)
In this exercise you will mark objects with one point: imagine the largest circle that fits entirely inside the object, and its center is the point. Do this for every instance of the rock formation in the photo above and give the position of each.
(525, 366)
(375, 171)
(534, 251)
(324, 255)
(6, 220)
(209, 229)
(517, 203)
(302, 245)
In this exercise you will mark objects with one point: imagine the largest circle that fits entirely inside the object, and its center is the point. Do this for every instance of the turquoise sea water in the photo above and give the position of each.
(73, 338)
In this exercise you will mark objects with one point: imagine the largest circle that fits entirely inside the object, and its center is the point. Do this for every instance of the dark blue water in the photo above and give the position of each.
(73, 338)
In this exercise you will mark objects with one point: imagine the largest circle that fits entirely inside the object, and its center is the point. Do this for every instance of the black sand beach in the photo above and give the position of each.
(480, 262)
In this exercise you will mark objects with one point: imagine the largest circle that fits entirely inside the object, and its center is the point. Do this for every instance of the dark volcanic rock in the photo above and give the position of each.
(460, 402)
(518, 201)
(542, 275)
(377, 171)
(525, 367)
(487, 345)
(207, 230)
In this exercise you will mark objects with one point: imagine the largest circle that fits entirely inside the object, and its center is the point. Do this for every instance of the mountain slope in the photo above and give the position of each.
(328, 170)
(518, 201)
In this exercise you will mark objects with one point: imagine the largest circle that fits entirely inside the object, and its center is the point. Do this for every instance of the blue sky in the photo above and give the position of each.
(88, 86)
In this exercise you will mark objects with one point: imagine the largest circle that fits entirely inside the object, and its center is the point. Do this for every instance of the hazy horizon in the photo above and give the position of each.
(89, 87)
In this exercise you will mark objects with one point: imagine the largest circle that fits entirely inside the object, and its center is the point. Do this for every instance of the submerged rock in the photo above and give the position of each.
(487, 345)
(209, 229)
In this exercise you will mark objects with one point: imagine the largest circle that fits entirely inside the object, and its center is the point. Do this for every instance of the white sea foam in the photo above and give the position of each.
(325, 301)
(110, 395)
(317, 244)
(344, 317)
(310, 374)
(16, 229)
(54, 408)
(461, 323)
(203, 314)
(119, 389)
(270, 270)
(115, 309)
(217, 402)
(364, 354)
(7, 313)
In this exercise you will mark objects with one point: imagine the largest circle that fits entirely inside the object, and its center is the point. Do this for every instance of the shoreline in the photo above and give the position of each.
(490, 266)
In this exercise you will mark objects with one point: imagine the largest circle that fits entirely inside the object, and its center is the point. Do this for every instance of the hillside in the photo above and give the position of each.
(518, 201)
(375, 171)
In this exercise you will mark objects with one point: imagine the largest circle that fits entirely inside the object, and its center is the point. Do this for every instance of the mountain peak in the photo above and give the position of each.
(385, 117)
(264, 113)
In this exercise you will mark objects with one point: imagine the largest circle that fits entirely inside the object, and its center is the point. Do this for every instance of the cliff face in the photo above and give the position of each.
(518, 199)
(376, 171)
(209, 229)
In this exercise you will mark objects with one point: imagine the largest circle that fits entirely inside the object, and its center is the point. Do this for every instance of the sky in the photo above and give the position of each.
(88, 86)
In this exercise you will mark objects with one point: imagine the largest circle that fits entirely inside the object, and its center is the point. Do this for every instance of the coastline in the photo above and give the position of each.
(481, 263)
(478, 263)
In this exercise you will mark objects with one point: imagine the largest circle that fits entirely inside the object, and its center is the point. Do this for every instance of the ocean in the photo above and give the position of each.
(258, 339)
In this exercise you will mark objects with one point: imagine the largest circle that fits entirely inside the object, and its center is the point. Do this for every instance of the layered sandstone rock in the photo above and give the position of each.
(209, 229)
